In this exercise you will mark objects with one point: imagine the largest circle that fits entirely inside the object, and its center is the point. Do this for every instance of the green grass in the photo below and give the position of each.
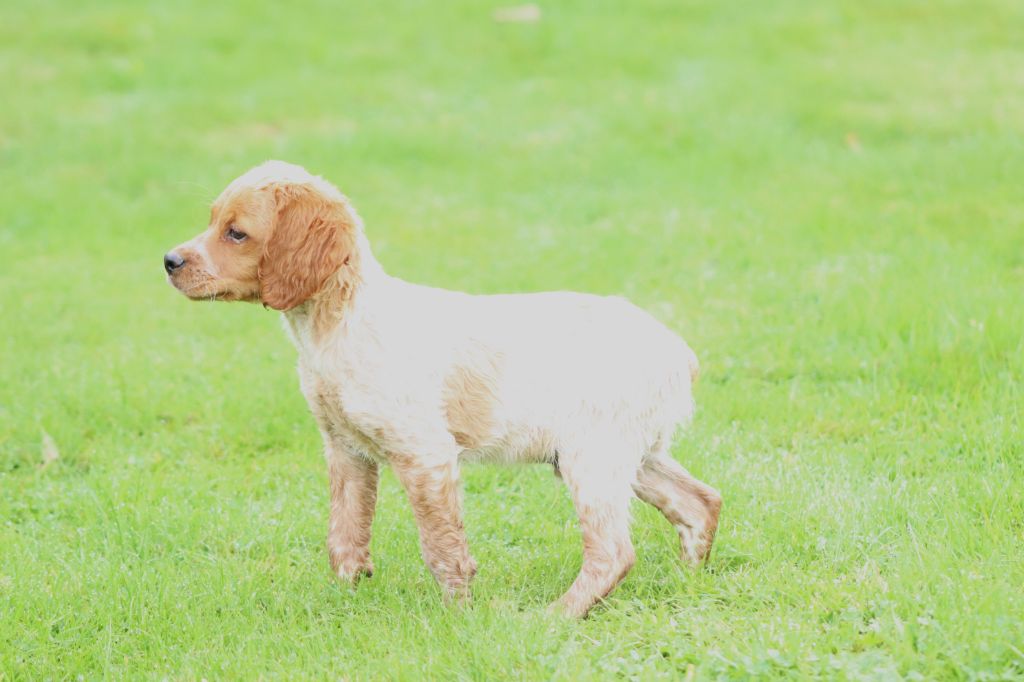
(824, 198)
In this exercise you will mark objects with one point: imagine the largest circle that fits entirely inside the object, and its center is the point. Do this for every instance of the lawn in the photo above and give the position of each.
(825, 199)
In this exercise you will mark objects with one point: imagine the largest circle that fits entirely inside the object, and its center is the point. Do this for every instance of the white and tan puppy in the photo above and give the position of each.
(423, 379)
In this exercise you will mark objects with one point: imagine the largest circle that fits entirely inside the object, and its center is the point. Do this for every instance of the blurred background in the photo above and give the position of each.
(823, 198)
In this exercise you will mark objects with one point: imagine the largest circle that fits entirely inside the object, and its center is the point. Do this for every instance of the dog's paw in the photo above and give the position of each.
(350, 568)
(567, 608)
(696, 545)
(354, 575)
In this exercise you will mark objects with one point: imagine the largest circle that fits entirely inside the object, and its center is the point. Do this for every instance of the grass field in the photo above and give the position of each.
(824, 198)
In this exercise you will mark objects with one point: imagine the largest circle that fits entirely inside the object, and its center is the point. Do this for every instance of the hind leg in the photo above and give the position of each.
(689, 505)
(601, 496)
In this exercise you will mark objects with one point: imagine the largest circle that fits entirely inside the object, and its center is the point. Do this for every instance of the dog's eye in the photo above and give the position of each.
(236, 236)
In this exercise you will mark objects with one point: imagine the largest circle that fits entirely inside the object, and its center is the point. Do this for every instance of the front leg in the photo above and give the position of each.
(435, 498)
(353, 499)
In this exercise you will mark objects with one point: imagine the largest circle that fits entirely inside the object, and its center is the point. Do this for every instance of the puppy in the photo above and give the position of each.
(423, 379)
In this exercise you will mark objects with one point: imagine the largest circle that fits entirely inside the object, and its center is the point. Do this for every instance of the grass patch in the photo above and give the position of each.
(823, 199)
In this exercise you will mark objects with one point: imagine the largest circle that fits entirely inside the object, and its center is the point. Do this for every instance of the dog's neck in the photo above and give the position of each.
(338, 301)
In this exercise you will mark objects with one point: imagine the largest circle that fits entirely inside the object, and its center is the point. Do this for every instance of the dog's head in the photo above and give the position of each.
(277, 235)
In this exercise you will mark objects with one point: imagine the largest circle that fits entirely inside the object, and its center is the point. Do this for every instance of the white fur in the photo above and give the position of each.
(588, 379)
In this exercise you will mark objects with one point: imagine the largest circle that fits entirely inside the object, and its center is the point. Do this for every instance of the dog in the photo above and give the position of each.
(423, 379)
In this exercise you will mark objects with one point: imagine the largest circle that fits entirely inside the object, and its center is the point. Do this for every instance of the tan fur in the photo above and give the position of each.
(437, 505)
(353, 486)
(688, 504)
(332, 301)
(469, 404)
(353, 499)
(218, 268)
(605, 563)
(310, 242)
(299, 236)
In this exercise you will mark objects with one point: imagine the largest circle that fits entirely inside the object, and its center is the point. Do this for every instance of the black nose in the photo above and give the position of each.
(172, 262)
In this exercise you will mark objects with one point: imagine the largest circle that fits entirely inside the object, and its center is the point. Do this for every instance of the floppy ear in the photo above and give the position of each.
(312, 239)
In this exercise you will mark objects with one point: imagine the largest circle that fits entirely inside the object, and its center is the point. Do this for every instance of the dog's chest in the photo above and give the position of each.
(342, 424)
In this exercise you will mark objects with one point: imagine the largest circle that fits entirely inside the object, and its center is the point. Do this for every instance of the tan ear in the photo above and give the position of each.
(310, 242)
